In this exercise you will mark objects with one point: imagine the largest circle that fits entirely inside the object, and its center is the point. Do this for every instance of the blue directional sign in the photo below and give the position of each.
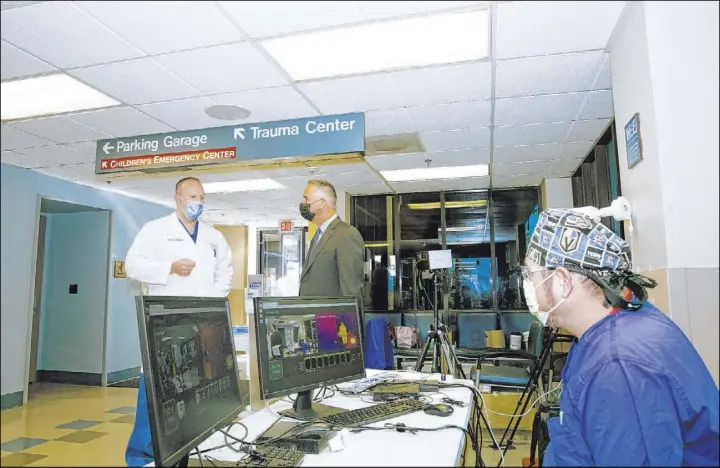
(633, 142)
(328, 134)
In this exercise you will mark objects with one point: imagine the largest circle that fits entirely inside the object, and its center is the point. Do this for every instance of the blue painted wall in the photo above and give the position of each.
(18, 202)
(76, 253)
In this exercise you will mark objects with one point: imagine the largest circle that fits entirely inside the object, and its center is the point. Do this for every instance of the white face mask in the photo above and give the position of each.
(532, 302)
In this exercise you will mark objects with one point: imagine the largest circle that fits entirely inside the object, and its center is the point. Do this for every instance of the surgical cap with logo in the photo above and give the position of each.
(570, 239)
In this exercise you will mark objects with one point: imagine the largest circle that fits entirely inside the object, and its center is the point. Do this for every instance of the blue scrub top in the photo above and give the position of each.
(193, 235)
(635, 393)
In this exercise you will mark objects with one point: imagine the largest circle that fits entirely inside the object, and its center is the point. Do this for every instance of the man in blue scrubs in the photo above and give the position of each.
(635, 390)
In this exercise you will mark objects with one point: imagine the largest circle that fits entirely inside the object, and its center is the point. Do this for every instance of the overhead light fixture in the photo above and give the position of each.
(385, 45)
(48, 95)
(250, 185)
(434, 173)
(448, 205)
(227, 112)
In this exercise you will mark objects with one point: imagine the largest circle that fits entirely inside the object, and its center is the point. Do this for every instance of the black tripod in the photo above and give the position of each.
(442, 348)
(529, 389)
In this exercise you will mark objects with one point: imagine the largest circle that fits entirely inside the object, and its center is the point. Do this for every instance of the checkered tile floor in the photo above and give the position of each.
(58, 419)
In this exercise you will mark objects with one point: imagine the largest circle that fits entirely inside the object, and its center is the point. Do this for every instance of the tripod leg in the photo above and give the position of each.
(423, 354)
(531, 384)
(453, 362)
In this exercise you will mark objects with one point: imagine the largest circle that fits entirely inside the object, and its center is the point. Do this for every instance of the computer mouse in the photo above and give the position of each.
(439, 409)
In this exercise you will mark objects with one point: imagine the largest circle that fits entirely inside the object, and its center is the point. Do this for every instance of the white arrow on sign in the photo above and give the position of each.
(239, 133)
(103, 165)
(107, 147)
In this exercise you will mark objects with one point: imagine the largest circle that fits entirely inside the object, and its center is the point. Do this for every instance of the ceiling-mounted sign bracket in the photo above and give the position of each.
(322, 135)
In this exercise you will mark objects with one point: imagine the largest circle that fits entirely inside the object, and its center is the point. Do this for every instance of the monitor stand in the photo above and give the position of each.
(305, 409)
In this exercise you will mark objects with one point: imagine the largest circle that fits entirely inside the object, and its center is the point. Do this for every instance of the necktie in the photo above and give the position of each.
(314, 241)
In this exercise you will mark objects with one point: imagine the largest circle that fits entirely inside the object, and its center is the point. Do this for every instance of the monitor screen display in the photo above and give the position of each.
(190, 370)
(306, 343)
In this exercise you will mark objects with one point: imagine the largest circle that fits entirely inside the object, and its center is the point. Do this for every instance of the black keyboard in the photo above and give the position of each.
(265, 455)
(371, 414)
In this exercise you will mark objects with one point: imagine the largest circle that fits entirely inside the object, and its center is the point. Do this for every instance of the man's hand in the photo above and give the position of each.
(182, 267)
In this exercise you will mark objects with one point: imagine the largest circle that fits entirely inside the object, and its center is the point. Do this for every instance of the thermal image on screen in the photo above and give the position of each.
(336, 332)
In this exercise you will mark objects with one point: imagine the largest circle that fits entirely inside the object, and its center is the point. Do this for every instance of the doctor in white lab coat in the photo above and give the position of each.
(177, 255)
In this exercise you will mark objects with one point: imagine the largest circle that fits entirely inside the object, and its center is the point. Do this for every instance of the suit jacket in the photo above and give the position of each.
(334, 267)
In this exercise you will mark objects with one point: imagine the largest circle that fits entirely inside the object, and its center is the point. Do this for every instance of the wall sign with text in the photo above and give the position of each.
(633, 141)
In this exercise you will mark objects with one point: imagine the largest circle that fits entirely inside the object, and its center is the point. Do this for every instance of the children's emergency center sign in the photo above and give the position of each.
(328, 134)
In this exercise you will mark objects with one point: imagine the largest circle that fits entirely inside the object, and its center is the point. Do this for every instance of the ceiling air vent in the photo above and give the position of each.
(393, 144)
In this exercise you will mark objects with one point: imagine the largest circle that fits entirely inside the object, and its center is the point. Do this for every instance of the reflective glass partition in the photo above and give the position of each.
(487, 232)
(373, 217)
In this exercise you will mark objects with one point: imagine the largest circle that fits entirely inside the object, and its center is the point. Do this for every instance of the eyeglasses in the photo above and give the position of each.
(529, 272)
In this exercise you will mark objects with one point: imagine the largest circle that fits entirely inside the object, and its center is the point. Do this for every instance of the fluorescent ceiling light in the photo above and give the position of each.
(433, 173)
(448, 205)
(463, 229)
(47, 95)
(409, 42)
(250, 185)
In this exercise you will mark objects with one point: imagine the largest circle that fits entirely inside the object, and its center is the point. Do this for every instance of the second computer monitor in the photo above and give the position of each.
(306, 343)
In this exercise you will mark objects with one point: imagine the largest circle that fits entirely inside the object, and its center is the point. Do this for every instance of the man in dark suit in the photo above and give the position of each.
(334, 263)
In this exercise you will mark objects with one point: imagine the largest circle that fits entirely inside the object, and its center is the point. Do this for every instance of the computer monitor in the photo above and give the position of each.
(304, 343)
(190, 369)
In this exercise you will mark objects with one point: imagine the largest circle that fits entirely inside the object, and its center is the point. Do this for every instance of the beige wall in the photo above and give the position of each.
(237, 239)
(664, 65)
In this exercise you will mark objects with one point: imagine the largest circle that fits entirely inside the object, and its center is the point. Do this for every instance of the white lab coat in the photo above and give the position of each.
(165, 240)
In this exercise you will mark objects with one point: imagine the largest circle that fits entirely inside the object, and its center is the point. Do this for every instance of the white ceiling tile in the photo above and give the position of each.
(330, 169)
(469, 183)
(161, 27)
(547, 75)
(598, 106)
(537, 109)
(587, 130)
(534, 134)
(264, 19)
(422, 87)
(522, 181)
(136, 82)
(576, 150)
(121, 122)
(437, 159)
(512, 154)
(604, 80)
(229, 176)
(88, 147)
(59, 129)
(441, 85)
(553, 27)
(353, 179)
(185, 114)
(21, 160)
(9, 5)
(69, 37)
(14, 139)
(244, 68)
(18, 64)
(270, 104)
(60, 172)
(57, 154)
(449, 116)
(373, 189)
(390, 9)
(387, 122)
(560, 167)
(456, 140)
(355, 94)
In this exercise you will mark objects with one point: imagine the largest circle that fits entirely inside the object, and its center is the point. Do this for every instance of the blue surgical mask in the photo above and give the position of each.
(193, 209)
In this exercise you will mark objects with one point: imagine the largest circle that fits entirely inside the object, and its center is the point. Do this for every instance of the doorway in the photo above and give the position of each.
(68, 316)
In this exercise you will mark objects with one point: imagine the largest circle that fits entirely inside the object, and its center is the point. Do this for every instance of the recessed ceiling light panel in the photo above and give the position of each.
(48, 95)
